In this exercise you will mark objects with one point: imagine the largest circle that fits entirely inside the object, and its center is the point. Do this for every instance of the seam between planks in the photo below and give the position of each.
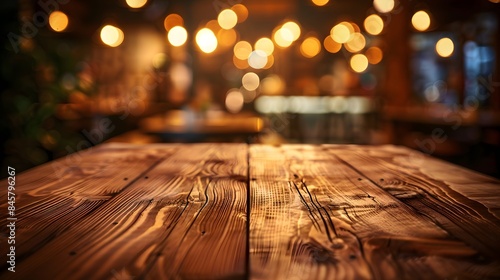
(249, 206)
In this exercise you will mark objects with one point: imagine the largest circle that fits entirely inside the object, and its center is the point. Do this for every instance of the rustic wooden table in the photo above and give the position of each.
(223, 211)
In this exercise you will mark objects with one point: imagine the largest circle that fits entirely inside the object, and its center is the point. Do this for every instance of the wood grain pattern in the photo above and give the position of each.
(314, 216)
(233, 211)
(48, 202)
(175, 221)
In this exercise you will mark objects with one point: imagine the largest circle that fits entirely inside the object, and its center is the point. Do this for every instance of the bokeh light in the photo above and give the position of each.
(359, 63)
(271, 104)
(373, 24)
(240, 63)
(206, 40)
(136, 3)
(272, 85)
(320, 2)
(374, 55)
(248, 95)
(356, 43)
(265, 44)
(159, 60)
(294, 28)
(383, 6)
(177, 36)
(227, 19)
(270, 62)
(310, 47)
(227, 38)
(283, 37)
(234, 101)
(338, 104)
(213, 25)
(241, 12)
(58, 21)
(250, 81)
(181, 76)
(421, 20)
(330, 45)
(242, 50)
(172, 20)
(445, 47)
(341, 32)
(112, 35)
(257, 59)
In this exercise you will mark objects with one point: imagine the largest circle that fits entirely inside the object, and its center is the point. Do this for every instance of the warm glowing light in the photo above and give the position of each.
(320, 2)
(495, 1)
(257, 59)
(240, 63)
(265, 44)
(112, 36)
(272, 85)
(373, 24)
(355, 27)
(356, 43)
(374, 55)
(213, 25)
(271, 104)
(234, 101)
(283, 37)
(58, 21)
(421, 21)
(206, 40)
(241, 12)
(250, 81)
(310, 47)
(136, 3)
(242, 50)
(181, 76)
(172, 20)
(227, 38)
(159, 60)
(341, 33)
(338, 104)
(359, 63)
(248, 95)
(177, 36)
(445, 47)
(294, 29)
(330, 45)
(227, 19)
(270, 62)
(383, 6)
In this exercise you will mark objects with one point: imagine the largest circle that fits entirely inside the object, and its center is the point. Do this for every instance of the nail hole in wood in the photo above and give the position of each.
(125, 179)
(72, 253)
(115, 223)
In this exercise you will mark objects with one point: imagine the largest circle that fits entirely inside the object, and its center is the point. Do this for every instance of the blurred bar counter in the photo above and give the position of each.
(189, 126)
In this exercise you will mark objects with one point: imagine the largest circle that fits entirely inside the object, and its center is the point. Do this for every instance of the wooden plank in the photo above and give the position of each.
(465, 218)
(48, 204)
(164, 225)
(314, 217)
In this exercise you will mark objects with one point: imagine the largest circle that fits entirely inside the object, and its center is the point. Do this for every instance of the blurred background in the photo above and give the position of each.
(423, 74)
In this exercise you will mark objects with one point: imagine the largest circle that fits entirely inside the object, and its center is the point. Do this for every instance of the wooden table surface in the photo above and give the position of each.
(224, 211)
